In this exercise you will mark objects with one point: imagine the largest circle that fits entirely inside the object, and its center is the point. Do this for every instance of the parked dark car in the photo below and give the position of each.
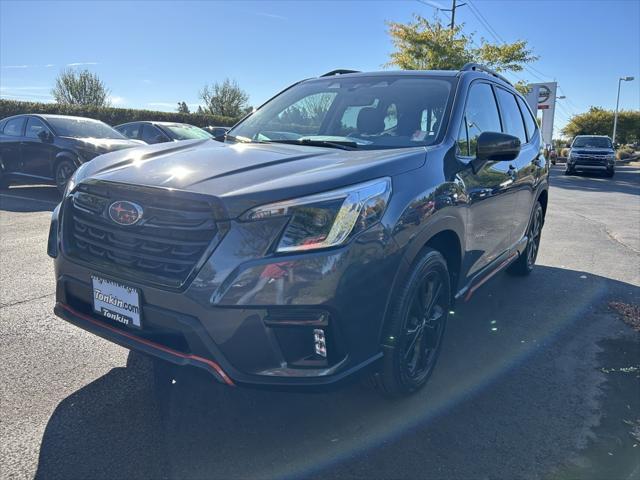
(49, 148)
(329, 235)
(161, 132)
(591, 153)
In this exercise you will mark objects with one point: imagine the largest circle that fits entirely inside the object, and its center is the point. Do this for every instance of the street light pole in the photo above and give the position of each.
(615, 115)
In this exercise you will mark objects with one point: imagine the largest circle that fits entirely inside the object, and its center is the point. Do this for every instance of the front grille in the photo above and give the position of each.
(164, 247)
(591, 159)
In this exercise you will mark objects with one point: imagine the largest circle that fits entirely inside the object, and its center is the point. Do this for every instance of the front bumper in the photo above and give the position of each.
(245, 321)
(593, 164)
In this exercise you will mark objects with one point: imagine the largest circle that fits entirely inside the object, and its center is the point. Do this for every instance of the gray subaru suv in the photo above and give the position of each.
(328, 236)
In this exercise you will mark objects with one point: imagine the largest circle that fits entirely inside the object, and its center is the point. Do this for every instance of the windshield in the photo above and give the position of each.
(83, 128)
(592, 142)
(182, 131)
(366, 112)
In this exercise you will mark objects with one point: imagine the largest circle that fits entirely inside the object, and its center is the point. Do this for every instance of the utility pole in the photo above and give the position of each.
(454, 5)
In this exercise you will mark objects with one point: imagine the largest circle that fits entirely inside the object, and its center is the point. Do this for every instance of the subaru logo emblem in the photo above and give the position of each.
(125, 213)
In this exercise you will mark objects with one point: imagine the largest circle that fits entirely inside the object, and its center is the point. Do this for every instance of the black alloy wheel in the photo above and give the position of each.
(416, 326)
(527, 260)
(64, 170)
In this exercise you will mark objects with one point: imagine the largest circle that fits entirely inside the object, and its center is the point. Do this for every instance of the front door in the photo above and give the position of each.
(490, 191)
(526, 164)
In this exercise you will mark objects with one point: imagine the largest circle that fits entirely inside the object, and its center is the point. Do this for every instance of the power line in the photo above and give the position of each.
(498, 38)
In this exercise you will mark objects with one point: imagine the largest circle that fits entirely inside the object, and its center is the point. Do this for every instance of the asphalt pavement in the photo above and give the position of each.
(538, 376)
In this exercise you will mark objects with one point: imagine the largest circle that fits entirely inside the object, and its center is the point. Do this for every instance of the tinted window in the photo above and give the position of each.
(151, 134)
(529, 121)
(130, 131)
(481, 115)
(14, 126)
(511, 117)
(34, 127)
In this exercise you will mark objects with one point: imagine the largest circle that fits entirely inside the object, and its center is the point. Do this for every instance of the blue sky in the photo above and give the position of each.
(153, 54)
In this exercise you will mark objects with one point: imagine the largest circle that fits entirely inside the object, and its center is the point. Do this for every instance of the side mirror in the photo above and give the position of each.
(495, 147)
(220, 138)
(45, 135)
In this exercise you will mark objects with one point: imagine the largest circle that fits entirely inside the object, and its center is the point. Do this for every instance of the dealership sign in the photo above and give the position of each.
(542, 96)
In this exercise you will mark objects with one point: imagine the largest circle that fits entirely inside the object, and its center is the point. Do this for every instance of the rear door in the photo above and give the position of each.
(10, 144)
(37, 155)
(490, 190)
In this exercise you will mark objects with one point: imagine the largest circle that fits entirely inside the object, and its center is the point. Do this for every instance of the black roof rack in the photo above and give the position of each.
(481, 68)
(339, 71)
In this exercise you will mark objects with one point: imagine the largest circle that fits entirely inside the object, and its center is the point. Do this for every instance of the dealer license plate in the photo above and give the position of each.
(116, 301)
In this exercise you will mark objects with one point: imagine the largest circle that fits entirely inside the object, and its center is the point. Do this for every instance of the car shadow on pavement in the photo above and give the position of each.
(40, 198)
(518, 361)
(626, 180)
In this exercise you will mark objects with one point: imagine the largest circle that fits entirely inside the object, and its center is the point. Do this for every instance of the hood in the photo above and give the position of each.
(244, 175)
(103, 145)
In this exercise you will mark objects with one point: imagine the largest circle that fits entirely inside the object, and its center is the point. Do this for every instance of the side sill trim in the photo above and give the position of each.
(467, 292)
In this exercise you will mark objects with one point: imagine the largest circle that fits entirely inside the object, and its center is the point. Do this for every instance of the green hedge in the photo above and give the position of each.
(112, 116)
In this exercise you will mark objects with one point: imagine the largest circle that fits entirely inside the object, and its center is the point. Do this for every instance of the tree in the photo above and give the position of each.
(226, 99)
(80, 88)
(183, 108)
(431, 45)
(598, 121)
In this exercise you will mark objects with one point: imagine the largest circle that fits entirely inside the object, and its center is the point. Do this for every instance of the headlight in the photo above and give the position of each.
(327, 219)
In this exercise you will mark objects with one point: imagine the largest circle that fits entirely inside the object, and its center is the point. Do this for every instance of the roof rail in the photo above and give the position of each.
(339, 71)
(481, 68)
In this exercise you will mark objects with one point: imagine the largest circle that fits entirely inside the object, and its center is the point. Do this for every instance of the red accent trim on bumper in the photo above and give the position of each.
(151, 344)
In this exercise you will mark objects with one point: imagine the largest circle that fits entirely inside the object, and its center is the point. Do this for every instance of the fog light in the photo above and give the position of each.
(320, 342)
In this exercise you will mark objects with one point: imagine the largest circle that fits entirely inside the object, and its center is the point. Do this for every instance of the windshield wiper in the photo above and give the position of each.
(339, 144)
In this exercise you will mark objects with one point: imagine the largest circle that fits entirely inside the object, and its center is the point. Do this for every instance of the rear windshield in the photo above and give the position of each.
(371, 112)
(83, 128)
(592, 142)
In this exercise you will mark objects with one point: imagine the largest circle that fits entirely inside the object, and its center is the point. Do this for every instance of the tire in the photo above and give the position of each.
(526, 261)
(63, 171)
(610, 173)
(415, 327)
(569, 171)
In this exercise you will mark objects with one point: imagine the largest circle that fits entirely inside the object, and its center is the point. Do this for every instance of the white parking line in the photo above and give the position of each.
(19, 197)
